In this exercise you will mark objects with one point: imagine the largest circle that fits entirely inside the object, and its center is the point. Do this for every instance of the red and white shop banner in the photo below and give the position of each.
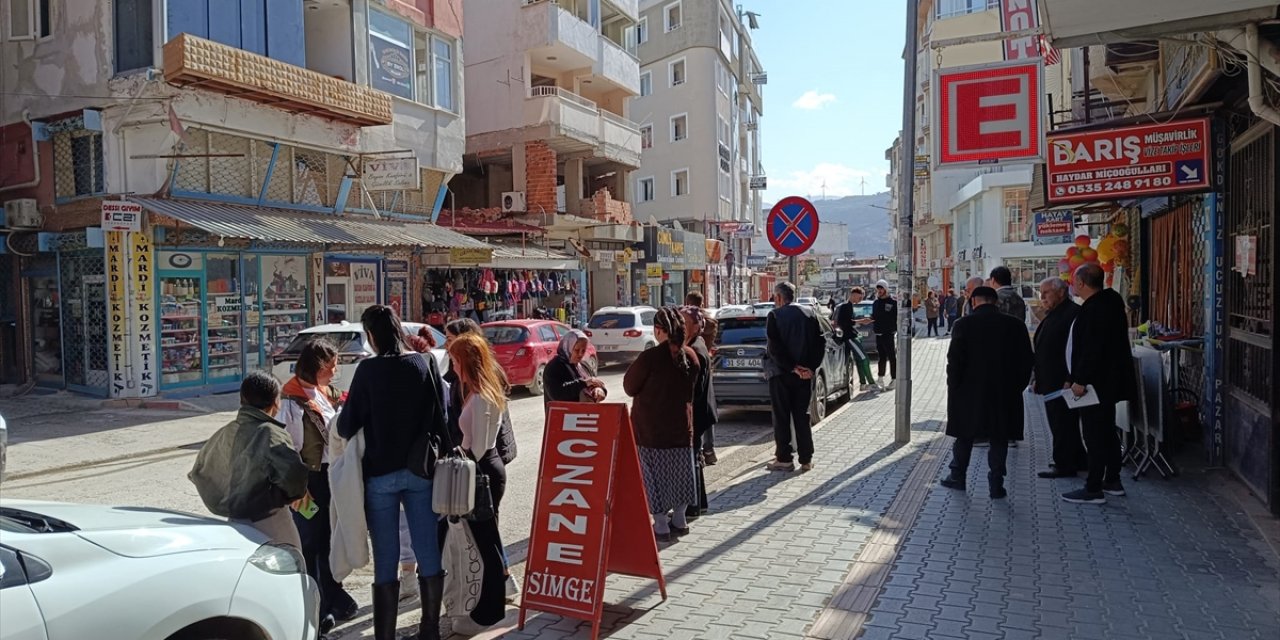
(1020, 15)
(1129, 162)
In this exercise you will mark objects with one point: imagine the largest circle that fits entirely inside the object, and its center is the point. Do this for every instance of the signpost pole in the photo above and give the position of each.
(791, 271)
(906, 246)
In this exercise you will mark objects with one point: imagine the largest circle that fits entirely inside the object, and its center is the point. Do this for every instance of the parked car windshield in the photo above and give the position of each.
(343, 341)
(612, 321)
(506, 334)
(741, 331)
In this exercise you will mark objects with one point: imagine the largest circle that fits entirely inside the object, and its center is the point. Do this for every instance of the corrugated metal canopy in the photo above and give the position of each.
(1080, 23)
(268, 224)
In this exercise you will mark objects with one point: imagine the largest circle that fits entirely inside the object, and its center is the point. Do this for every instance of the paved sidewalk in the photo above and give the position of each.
(765, 561)
(868, 545)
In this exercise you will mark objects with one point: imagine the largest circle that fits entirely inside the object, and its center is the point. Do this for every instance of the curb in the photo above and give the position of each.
(150, 404)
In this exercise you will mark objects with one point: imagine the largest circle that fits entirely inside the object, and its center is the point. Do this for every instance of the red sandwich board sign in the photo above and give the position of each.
(792, 226)
(590, 515)
(989, 113)
(1129, 162)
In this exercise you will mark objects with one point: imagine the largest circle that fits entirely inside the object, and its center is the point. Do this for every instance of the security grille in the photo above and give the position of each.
(1251, 298)
(84, 319)
(77, 163)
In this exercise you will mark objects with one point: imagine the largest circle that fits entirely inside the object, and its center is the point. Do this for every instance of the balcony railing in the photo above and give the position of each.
(558, 92)
(192, 60)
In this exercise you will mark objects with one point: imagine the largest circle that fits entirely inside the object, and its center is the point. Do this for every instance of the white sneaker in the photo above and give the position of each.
(512, 590)
(880, 382)
(408, 587)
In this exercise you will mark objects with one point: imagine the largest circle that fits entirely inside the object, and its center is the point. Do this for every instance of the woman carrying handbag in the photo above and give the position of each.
(397, 401)
(483, 403)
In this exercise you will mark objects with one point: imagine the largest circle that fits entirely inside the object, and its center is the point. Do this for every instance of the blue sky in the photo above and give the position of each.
(833, 103)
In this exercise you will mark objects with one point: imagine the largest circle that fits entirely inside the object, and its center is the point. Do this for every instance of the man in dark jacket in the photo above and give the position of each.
(1011, 302)
(249, 471)
(1051, 373)
(794, 352)
(1099, 356)
(853, 347)
(988, 365)
(884, 323)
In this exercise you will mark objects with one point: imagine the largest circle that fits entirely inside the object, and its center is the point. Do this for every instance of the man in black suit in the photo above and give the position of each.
(988, 365)
(1050, 375)
(1099, 355)
(793, 353)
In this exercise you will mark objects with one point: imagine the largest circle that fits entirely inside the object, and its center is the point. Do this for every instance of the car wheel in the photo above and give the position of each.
(819, 408)
(535, 387)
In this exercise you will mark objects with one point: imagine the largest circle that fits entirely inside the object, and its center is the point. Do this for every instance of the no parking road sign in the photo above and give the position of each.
(792, 226)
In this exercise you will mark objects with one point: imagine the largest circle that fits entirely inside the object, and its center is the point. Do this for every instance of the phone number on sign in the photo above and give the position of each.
(1116, 185)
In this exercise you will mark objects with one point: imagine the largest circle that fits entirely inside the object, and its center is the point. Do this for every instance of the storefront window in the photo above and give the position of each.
(284, 300)
(252, 313)
(46, 336)
(226, 335)
(181, 319)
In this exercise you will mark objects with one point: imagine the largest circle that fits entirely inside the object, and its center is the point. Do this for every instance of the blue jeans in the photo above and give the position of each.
(383, 497)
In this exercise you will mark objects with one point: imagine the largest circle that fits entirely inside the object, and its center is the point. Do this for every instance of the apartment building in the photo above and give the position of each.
(700, 105)
(970, 220)
(188, 183)
(548, 134)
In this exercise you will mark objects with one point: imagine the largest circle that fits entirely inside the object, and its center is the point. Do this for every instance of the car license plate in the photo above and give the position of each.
(743, 363)
(606, 347)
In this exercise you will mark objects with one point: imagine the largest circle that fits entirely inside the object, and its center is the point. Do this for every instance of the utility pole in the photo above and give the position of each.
(906, 211)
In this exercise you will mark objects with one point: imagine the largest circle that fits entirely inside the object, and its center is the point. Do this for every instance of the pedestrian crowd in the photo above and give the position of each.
(334, 473)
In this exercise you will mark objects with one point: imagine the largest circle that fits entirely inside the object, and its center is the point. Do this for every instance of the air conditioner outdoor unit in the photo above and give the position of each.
(512, 201)
(22, 214)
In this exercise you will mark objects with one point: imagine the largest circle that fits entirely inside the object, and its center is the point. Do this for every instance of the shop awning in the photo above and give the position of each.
(530, 256)
(1080, 23)
(267, 224)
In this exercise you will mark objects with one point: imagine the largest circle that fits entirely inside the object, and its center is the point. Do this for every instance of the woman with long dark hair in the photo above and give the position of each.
(396, 399)
(483, 391)
(309, 402)
(662, 382)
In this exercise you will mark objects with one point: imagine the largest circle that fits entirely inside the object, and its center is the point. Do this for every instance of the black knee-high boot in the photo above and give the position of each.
(386, 608)
(432, 592)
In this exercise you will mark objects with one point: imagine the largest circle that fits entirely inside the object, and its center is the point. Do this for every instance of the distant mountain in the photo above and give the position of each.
(869, 226)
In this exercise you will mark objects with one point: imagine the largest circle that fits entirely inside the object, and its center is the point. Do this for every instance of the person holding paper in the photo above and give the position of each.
(1099, 361)
(1050, 374)
(988, 366)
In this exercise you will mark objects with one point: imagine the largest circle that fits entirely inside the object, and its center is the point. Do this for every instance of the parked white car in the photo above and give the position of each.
(352, 346)
(763, 308)
(621, 333)
(74, 571)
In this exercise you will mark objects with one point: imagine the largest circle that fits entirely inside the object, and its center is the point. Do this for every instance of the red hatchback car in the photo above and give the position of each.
(524, 347)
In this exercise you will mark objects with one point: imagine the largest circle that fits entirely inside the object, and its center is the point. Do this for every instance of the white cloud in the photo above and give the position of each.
(839, 180)
(812, 100)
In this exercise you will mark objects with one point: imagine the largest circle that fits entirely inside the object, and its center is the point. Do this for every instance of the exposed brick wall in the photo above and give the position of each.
(603, 207)
(540, 177)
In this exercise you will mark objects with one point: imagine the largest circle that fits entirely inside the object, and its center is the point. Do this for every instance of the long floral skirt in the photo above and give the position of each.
(670, 481)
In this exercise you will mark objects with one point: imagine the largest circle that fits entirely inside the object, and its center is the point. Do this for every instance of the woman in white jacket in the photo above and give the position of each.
(483, 402)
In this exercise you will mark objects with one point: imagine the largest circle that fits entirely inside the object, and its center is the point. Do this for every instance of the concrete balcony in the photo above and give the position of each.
(557, 37)
(619, 139)
(616, 66)
(189, 60)
(570, 123)
(628, 8)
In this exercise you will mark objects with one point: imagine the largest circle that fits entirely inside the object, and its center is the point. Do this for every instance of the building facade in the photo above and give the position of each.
(969, 220)
(184, 189)
(701, 93)
(549, 140)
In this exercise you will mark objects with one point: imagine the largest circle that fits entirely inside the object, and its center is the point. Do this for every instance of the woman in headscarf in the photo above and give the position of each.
(704, 400)
(566, 379)
(662, 382)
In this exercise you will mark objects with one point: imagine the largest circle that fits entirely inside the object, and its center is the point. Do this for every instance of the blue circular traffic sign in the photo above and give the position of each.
(792, 226)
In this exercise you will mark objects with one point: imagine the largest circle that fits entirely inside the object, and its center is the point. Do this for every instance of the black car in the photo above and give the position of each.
(737, 366)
